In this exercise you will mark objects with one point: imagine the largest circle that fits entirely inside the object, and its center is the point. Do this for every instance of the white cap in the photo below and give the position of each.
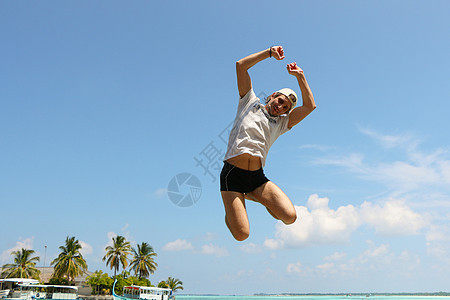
(288, 92)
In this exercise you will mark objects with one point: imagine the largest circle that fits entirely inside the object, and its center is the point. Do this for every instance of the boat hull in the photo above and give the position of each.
(143, 293)
(43, 292)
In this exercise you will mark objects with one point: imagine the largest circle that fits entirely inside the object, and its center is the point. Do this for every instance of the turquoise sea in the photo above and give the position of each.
(337, 297)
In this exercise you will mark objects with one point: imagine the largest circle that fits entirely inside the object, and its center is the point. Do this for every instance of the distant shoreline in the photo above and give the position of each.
(437, 294)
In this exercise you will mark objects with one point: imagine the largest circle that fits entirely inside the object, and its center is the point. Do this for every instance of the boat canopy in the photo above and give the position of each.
(147, 288)
(23, 281)
(51, 286)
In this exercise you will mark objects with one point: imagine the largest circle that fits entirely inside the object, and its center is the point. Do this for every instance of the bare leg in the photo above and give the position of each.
(276, 202)
(249, 196)
(236, 215)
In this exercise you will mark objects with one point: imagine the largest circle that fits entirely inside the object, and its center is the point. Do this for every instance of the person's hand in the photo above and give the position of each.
(277, 52)
(293, 69)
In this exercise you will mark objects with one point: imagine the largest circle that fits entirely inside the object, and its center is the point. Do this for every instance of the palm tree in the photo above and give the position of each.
(143, 262)
(174, 284)
(23, 266)
(70, 262)
(117, 254)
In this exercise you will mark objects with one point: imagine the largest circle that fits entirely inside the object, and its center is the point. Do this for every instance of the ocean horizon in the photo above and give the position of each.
(310, 297)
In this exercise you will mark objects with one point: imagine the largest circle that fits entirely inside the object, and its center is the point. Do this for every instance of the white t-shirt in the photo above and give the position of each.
(254, 130)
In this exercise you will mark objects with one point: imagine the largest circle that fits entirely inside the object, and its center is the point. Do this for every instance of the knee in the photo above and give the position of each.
(241, 237)
(241, 234)
(290, 218)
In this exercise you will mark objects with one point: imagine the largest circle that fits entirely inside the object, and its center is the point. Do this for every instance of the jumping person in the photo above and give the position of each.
(255, 129)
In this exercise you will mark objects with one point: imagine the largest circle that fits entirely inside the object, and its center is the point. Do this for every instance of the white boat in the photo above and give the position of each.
(9, 284)
(135, 292)
(42, 292)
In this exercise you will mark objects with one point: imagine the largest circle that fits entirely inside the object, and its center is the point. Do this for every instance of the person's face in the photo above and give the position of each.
(279, 104)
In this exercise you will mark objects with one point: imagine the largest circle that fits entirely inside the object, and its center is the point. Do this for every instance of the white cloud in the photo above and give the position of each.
(409, 261)
(400, 175)
(375, 258)
(419, 185)
(125, 233)
(416, 170)
(394, 218)
(86, 249)
(438, 233)
(444, 167)
(438, 242)
(374, 251)
(405, 175)
(353, 162)
(22, 243)
(294, 267)
(335, 256)
(110, 235)
(406, 140)
(316, 224)
(211, 249)
(238, 276)
(178, 245)
(209, 236)
(273, 244)
(327, 267)
(251, 248)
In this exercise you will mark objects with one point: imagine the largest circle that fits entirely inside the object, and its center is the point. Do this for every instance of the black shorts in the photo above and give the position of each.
(238, 180)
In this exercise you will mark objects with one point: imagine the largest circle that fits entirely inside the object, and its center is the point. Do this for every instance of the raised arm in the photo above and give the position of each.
(243, 78)
(299, 113)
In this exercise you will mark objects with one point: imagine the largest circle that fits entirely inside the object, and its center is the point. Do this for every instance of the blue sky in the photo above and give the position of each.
(103, 103)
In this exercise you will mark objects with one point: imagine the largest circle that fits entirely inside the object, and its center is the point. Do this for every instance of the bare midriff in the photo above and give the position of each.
(246, 161)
